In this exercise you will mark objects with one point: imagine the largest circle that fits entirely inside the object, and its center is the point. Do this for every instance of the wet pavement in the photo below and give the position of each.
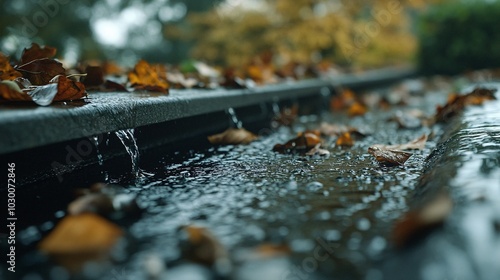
(335, 214)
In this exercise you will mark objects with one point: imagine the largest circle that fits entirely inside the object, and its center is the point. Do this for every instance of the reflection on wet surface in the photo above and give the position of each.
(335, 213)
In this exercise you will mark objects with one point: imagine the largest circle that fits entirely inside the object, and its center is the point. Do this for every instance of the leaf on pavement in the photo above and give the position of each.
(304, 142)
(357, 109)
(345, 140)
(417, 223)
(198, 244)
(7, 72)
(456, 103)
(41, 71)
(389, 157)
(317, 151)
(148, 77)
(232, 136)
(36, 52)
(415, 144)
(81, 234)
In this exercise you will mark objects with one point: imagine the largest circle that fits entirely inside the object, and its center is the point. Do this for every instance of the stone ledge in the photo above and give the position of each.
(24, 127)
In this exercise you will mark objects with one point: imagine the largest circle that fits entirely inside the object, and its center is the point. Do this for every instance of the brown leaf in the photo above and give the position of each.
(114, 86)
(337, 130)
(232, 136)
(95, 76)
(68, 89)
(456, 103)
(342, 101)
(81, 234)
(345, 140)
(10, 91)
(41, 71)
(357, 109)
(199, 245)
(419, 222)
(148, 77)
(317, 151)
(36, 52)
(91, 203)
(304, 142)
(389, 157)
(415, 144)
(7, 72)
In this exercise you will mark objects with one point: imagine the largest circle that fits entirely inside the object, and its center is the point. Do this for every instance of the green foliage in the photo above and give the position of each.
(457, 37)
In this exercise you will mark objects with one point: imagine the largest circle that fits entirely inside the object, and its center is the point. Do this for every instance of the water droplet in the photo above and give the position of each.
(363, 224)
(314, 186)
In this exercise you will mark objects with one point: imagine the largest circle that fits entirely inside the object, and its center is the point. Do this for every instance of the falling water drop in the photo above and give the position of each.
(234, 119)
(127, 138)
(100, 159)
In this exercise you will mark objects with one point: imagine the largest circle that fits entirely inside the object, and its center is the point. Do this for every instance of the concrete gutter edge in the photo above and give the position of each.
(29, 127)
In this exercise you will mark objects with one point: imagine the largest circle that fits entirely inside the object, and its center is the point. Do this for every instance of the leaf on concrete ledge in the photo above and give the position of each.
(41, 71)
(7, 72)
(37, 52)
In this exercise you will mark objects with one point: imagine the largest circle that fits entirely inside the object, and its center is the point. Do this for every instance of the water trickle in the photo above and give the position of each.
(100, 159)
(127, 138)
(234, 119)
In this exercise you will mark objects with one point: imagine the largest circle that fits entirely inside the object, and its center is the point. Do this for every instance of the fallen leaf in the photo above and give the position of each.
(10, 91)
(36, 52)
(91, 203)
(456, 103)
(41, 71)
(357, 109)
(148, 77)
(415, 144)
(95, 76)
(304, 142)
(232, 136)
(68, 89)
(337, 130)
(81, 234)
(317, 151)
(343, 100)
(7, 72)
(199, 245)
(345, 140)
(389, 157)
(105, 200)
(417, 223)
(114, 86)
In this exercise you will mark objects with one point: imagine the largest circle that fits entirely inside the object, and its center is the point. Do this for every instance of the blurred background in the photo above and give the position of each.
(441, 36)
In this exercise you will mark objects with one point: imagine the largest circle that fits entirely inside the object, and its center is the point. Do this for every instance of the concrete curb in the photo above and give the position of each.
(30, 126)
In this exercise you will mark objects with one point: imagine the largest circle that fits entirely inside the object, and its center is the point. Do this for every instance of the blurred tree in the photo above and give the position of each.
(359, 33)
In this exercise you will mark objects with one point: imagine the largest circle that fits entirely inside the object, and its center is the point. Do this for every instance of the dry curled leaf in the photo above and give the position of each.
(389, 157)
(232, 136)
(81, 234)
(68, 89)
(41, 71)
(10, 91)
(457, 103)
(148, 77)
(345, 140)
(419, 222)
(304, 142)
(36, 52)
(7, 72)
(415, 144)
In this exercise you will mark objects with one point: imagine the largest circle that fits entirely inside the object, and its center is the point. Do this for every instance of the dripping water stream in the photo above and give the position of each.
(126, 137)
